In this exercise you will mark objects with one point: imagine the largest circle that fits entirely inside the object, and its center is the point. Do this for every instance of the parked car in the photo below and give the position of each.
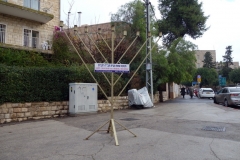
(206, 93)
(228, 96)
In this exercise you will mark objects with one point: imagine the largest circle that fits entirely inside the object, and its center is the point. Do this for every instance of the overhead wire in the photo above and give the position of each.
(153, 11)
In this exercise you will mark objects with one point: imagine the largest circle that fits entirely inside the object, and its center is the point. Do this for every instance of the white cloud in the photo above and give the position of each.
(224, 28)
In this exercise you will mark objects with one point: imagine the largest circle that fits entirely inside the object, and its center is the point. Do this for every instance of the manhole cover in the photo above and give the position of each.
(211, 128)
(129, 119)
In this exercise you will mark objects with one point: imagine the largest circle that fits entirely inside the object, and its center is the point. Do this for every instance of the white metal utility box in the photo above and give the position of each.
(82, 98)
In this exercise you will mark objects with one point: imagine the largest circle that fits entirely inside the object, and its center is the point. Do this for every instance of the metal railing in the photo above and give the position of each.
(31, 42)
(35, 42)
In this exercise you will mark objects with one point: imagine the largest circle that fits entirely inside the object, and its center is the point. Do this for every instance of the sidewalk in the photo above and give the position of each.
(170, 131)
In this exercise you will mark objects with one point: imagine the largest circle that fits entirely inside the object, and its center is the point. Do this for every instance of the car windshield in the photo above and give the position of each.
(207, 90)
(234, 90)
(219, 91)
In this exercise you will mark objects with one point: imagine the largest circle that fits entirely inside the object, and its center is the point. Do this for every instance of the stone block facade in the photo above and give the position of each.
(119, 104)
(16, 29)
(17, 112)
(200, 57)
(10, 112)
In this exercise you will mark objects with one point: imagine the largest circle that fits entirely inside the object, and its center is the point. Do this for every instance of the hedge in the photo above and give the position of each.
(36, 84)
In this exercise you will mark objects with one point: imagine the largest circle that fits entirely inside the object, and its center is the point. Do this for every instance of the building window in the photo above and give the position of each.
(33, 4)
(2, 33)
(31, 38)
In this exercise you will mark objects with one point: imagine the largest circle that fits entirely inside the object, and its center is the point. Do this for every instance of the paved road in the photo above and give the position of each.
(172, 130)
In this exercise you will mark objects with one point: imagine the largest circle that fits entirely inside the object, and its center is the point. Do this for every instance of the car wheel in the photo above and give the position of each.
(214, 101)
(226, 103)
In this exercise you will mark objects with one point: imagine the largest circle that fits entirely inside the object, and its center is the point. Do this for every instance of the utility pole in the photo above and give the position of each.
(79, 19)
(149, 76)
(68, 18)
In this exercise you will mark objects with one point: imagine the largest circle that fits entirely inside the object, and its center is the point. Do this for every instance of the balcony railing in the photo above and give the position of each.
(31, 42)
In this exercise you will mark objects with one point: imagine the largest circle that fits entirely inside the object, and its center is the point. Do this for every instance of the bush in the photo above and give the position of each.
(34, 84)
(64, 54)
(14, 57)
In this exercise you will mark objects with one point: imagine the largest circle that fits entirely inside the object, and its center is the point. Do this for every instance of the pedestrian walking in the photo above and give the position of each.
(183, 91)
(191, 92)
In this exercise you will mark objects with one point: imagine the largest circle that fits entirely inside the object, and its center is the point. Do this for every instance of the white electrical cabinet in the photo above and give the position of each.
(82, 98)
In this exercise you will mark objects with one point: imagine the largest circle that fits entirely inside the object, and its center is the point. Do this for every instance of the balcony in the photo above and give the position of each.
(24, 12)
(29, 44)
(33, 42)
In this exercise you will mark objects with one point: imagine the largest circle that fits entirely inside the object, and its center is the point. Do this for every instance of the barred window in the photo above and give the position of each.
(31, 38)
(2, 33)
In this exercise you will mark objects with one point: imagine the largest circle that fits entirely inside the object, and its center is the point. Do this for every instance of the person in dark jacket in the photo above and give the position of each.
(183, 91)
(191, 92)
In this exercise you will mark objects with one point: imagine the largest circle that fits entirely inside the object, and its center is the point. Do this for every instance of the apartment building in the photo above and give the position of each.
(235, 65)
(28, 24)
(200, 57)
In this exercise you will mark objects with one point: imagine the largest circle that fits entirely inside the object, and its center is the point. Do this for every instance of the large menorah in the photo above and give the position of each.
(111, 121)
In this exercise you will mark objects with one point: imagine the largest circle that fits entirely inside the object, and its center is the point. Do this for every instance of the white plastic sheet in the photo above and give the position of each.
(139, 97)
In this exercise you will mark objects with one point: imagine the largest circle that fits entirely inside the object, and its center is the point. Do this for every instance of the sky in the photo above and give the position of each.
(223, 21)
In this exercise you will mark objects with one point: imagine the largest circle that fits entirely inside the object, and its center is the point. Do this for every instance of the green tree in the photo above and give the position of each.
(227, 58)
(180, 18)
(181, 61)
(209, 76)
(132, 13)
(219, 65)
(225, 72)
(227, 61)
(208, 60)
(64, 54)
(160, 68)
(234, 75)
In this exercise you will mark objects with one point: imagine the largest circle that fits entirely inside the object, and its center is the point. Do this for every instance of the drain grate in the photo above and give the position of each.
(129, 119)
(211, 128)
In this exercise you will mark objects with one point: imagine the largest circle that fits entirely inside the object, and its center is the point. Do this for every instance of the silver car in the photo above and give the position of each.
(228, 96)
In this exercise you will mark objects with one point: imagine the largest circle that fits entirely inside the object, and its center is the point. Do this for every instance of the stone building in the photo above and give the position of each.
(200, 57)
(28, 24)
(235, 65)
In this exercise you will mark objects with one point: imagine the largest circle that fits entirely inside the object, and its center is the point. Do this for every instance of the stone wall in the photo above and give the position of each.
(10, 112)
(119, 104)
(17, 112)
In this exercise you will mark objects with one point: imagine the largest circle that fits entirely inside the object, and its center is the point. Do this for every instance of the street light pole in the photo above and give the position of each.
(149, 75)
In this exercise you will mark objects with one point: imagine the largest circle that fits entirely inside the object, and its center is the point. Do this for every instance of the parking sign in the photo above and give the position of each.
(198, 78)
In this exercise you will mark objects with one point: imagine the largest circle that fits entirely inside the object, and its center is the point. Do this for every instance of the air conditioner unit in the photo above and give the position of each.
(82, 98)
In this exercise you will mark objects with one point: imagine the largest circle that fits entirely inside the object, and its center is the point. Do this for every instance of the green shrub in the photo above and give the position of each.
(14, 57)
(34, 84)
